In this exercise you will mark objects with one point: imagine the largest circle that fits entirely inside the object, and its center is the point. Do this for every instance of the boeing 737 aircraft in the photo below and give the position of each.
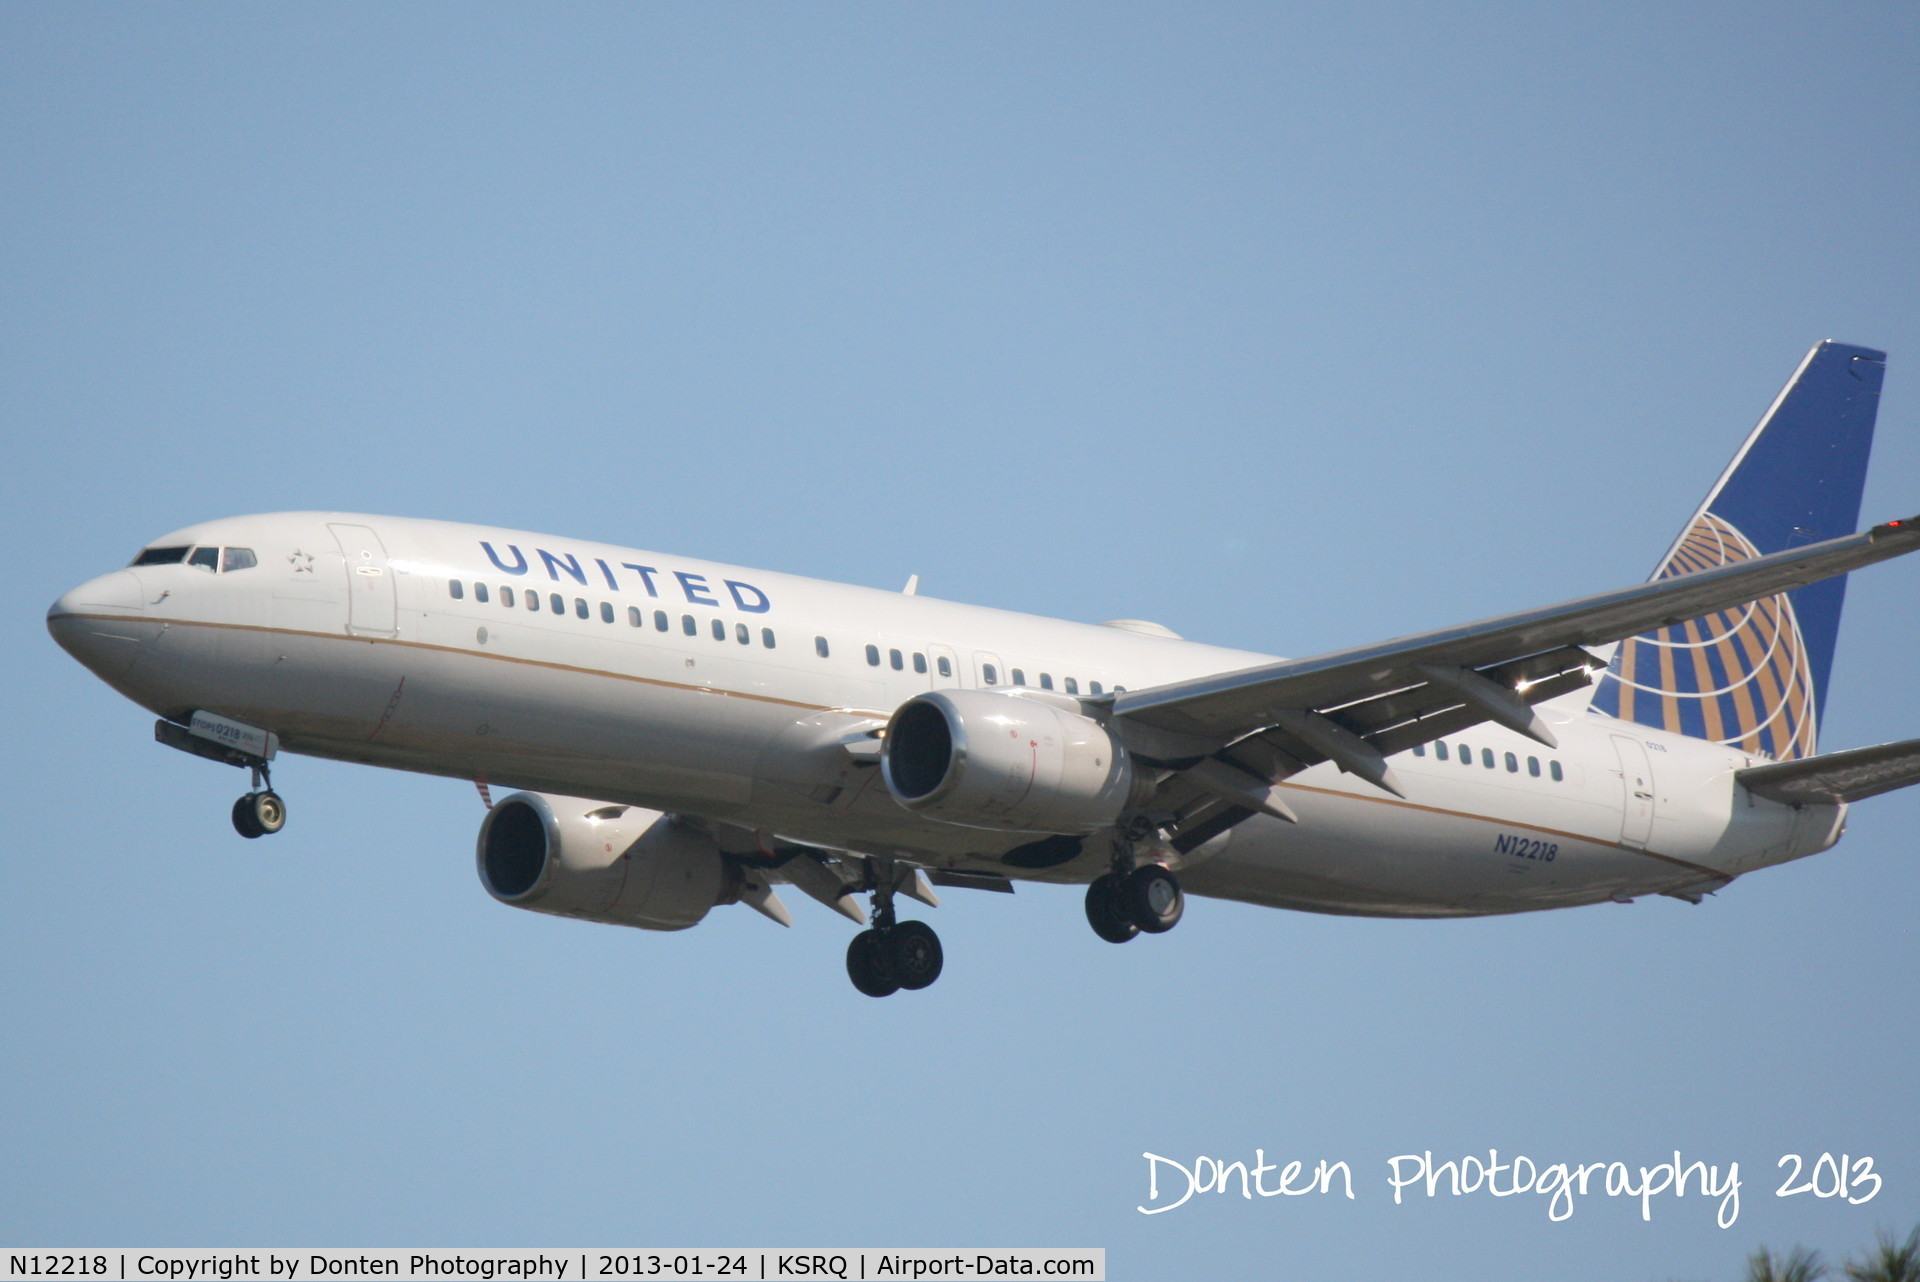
(689, 734)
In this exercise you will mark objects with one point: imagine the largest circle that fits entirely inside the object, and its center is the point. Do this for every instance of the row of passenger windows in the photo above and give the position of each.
(896, 659)
(1465, 755)
(636, 617)
(989, 673)
(898, 662)
(212, 560)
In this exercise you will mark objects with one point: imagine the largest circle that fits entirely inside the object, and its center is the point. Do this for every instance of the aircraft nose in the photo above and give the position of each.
(102, 622)
(116, 593)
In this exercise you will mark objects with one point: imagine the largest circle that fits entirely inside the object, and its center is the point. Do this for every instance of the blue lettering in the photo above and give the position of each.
(760, 606)
(692, 584)
(608, 571)
(519, 565)
(571, 565)
(646, 573)
(1503, 845)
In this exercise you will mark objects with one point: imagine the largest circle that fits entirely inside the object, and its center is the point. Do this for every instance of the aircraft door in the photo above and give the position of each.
(1636, 784)
(946, 668)
(371, 609)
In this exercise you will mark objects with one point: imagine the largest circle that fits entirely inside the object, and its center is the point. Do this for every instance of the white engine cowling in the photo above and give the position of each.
(618, 864)
(987, 760)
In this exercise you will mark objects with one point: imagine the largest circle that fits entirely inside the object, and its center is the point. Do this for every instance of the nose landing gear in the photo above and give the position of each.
(261, 812)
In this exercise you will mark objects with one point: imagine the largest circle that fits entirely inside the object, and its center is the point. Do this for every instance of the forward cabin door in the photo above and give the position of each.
(1636, 782)
(371, 610)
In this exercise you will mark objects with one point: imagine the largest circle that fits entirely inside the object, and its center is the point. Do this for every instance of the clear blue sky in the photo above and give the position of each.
(1290, 327)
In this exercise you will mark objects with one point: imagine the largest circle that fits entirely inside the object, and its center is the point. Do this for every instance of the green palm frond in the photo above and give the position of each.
(1892, 1260)
(1797, 1265)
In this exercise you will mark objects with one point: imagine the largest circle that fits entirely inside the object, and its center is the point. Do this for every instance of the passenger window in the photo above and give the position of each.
(558, 602)
(506, 597)
(580, 607)
(480, 593)
(454, 589)
(1093, 687)
(533, 600)
(660, 621)
(987, 671)
(1440, 750)
(161, 556)
(820, 646)
(207, 559)
(689, 625)
(1486, 757)
(1466, 755)
(946, 667)
(1419, 749)
(1533, 766)
(895, 661)
(241, 559)
(1513, 764)
(1553, 767)
(919, 663)
(606, 613)
(1073, 687)
(873, 656)
(742, 634)
(1046, 681)
(1019, 677)
(766, 637)
(719, 630)
(635, 619)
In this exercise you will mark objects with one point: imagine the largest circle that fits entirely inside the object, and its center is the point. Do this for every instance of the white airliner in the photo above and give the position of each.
(736, 728)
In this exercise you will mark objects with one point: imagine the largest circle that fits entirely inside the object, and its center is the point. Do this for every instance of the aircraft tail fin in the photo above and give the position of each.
(1756, 677)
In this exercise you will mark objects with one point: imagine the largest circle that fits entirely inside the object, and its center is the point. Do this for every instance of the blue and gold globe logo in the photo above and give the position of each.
(1739, 677)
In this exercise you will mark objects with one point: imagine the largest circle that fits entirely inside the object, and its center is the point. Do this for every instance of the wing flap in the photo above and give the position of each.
(1835, 777)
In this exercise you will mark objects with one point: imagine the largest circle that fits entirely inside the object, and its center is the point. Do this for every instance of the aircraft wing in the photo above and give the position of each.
(1837, 776)
(1230, 736)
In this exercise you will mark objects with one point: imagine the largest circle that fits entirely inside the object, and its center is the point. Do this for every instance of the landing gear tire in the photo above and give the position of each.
(1104, 912)
(259, 814)
(912, 952)
(867, 965)
(1151, 899)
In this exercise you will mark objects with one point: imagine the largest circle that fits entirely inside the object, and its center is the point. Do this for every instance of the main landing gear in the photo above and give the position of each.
(1129, 900)
(891, 954)
(260, 812)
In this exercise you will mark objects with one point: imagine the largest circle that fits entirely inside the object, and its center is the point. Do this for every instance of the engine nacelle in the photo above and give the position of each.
(987, 760)
(618, 864)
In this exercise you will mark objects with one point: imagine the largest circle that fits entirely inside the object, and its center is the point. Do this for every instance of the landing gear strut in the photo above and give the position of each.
(260, 812)
(892, 954)
(1129, 900)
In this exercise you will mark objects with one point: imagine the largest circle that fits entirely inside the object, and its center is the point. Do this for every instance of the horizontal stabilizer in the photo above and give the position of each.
(1837, 776)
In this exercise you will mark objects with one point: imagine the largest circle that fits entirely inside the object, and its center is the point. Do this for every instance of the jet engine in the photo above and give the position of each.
(987, 760)
(617, 864)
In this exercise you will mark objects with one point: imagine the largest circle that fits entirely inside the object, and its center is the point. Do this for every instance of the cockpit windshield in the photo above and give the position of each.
(211, 559)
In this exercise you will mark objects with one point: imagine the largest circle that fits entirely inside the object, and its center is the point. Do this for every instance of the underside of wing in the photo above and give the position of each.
(1223, 741)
